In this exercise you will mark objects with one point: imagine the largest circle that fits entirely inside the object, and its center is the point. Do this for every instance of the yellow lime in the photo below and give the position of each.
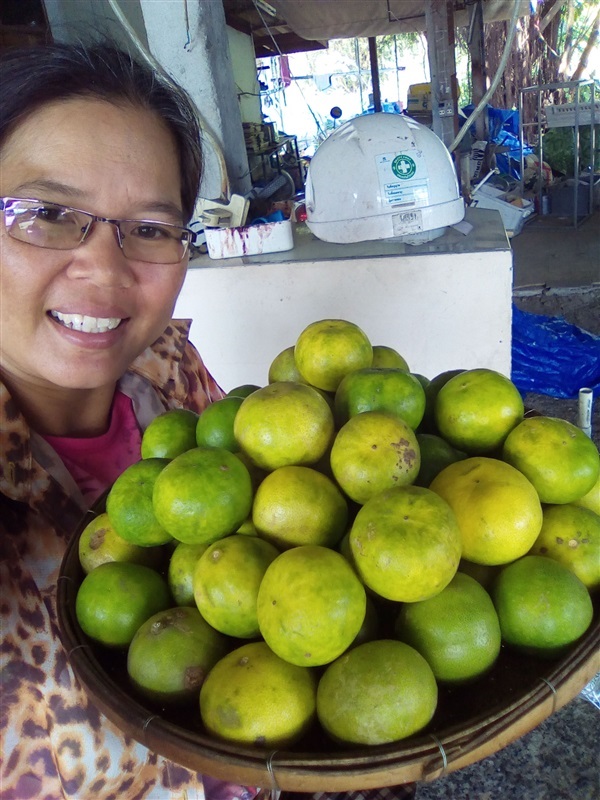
(310, 606)
(556, 456)
(129, 504)
(406, 544)
(380, 389)
(283, 367)
(328, 349)
(226, 581)
(571, 535)
(457, 631)
(116, 598)
(498, 510)
(374, 451)
(253, 697)
(171, 654)
(180, 575)
(170, 434)
(99, 543)
(384, 356)
(202, 495)
(284, 423)
(378, 692)
(542, 606)
(477, 409)
(591, 500)
(298, 505)
(215, 424)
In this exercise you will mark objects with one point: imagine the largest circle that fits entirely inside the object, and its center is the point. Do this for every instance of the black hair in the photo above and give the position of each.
(34, 76)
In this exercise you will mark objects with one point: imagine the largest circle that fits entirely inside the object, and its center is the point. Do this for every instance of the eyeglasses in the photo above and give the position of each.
(58, 227)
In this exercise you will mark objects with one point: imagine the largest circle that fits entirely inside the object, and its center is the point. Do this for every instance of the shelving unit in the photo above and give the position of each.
(575, 114)
(278, 158)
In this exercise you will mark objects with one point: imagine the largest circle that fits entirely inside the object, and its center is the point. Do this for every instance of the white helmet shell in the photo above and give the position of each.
(382, 176)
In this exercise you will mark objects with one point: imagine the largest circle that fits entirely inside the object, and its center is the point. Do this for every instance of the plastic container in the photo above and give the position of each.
(251, 240)
(513, 216)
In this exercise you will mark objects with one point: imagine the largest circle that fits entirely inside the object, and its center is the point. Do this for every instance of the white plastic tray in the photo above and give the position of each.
(252, 240)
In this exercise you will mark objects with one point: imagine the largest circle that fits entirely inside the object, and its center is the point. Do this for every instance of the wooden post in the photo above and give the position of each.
(375, 73)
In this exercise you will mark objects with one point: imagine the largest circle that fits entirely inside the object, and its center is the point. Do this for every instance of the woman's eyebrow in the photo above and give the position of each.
(71, 192)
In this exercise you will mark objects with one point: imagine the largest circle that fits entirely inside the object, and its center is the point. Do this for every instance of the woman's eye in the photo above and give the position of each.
(151, 232)
(49, 214)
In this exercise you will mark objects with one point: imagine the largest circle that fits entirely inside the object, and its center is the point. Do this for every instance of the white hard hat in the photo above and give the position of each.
(382, 176)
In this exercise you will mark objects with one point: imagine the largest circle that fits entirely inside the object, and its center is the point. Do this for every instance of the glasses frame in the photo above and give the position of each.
(188, 236)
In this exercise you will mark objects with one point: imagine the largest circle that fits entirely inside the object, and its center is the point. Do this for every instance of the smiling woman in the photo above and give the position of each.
(101, 164)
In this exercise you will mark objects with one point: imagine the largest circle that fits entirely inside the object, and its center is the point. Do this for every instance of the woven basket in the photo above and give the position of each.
(470, 723)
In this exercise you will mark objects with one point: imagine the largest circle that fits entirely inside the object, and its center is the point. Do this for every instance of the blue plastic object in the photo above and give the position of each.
(553, 357)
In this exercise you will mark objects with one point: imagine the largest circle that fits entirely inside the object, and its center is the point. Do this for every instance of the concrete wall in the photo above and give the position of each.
(243, 62)
(192, 44)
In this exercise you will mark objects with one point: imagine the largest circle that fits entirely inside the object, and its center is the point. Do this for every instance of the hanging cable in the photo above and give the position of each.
(496, 80)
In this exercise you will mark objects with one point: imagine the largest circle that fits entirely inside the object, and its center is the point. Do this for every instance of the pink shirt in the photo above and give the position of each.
(95, 462)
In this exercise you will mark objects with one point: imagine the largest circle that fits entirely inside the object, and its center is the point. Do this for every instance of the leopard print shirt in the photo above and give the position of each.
(55, 743)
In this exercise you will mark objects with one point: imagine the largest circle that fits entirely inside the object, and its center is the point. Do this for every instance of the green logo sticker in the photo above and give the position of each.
(404, 167)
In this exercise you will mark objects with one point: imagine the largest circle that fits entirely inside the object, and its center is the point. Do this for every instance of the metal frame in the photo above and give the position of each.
(574, 86)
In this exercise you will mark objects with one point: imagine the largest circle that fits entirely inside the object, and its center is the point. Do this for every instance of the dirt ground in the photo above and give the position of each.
(580, 307)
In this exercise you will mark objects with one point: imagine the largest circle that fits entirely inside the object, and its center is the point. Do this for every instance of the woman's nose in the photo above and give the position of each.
(99, 258)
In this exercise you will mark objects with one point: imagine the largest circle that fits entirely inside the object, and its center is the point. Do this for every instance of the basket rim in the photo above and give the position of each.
(422, 757)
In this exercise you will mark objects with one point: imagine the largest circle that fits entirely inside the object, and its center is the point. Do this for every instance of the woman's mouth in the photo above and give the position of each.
(84, 323)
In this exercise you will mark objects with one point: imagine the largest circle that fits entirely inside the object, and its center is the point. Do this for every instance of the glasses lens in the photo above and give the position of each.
(45, 224)
(155, 242)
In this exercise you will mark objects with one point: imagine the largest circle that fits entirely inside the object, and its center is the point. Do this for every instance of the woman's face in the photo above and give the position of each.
(117, 162)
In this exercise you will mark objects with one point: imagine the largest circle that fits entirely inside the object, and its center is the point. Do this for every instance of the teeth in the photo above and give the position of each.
(81, 322)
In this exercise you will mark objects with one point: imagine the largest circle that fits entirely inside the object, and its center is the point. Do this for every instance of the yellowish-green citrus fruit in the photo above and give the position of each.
(436, 454)
(226, 581)
(284, 423)
(376, 693)
(457, 631)
(476, 410)
(424, 381)
(170, 434)
(542, 606)
(247, 528)
(374, 451)
(380, 389)
(298, 505)
(243, 390)
(180, 574)
(283, 367)
(310, 605)
(591, 500)
(171, 654)
(215, 424)
(202, 495)
(556, 456)
(498, 510)
(254, 697)
(129, 504)
(99, 543)
(406, 544)
(328, 349)
(116, 598)
(485, 574)
(431, 392)
(384, 356)
(571, 535)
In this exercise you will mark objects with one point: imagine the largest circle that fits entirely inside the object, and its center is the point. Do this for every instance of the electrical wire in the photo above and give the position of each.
(492, 88)
(157, 66)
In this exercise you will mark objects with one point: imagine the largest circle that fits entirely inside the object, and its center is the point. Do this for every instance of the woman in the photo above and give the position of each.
(88, 356)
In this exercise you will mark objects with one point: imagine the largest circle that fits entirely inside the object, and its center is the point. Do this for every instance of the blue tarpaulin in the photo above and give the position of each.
(553, 357)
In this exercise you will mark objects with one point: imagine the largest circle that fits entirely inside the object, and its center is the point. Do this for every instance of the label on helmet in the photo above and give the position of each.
(403, 178)
(407, 222)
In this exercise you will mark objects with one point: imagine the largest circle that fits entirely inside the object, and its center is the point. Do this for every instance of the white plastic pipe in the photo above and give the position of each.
(586, 398)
